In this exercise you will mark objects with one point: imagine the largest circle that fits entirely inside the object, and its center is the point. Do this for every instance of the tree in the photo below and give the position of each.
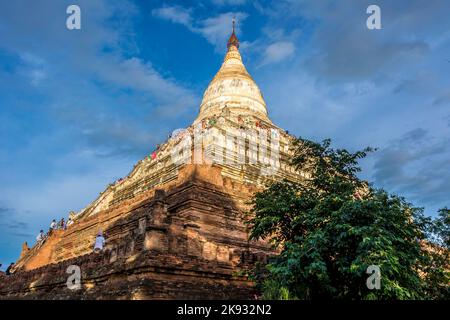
(436, 267)
(331, 227)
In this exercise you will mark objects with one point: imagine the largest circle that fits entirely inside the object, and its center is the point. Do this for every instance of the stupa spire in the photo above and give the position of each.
(233, 88)
(233, 40)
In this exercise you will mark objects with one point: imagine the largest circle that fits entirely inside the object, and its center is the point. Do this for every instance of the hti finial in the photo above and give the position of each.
(233, 41)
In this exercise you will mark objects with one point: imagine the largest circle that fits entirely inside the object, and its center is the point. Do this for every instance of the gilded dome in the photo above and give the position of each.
(233, 88)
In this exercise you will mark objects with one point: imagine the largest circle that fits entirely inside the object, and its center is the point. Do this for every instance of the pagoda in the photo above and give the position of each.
(175, 226)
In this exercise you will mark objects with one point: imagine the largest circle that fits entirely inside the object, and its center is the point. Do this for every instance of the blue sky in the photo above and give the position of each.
(79, 108)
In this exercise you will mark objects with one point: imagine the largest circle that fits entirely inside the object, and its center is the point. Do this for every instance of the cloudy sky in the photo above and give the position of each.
(78, 108)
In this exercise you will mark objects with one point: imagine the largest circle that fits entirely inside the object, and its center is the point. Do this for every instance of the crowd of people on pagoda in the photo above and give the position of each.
(206, 123)
(99, 243)
(54, 225)
(8, 270)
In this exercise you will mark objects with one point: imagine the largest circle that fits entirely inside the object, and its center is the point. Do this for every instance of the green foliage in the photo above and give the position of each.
(441, 228)
(330, 228)
(272, 290)
(437, 263)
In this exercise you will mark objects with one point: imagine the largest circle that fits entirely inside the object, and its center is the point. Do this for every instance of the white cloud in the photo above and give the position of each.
(31, 59)
(215, 30)
(278, 51)
(37, 76)
(228, 2)
(174, 14)
(33, 69)
(416, 163)
(136, 74)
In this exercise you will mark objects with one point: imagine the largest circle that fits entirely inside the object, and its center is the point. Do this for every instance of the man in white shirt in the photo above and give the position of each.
(40, 237)
(53, 225)
(99, 242)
